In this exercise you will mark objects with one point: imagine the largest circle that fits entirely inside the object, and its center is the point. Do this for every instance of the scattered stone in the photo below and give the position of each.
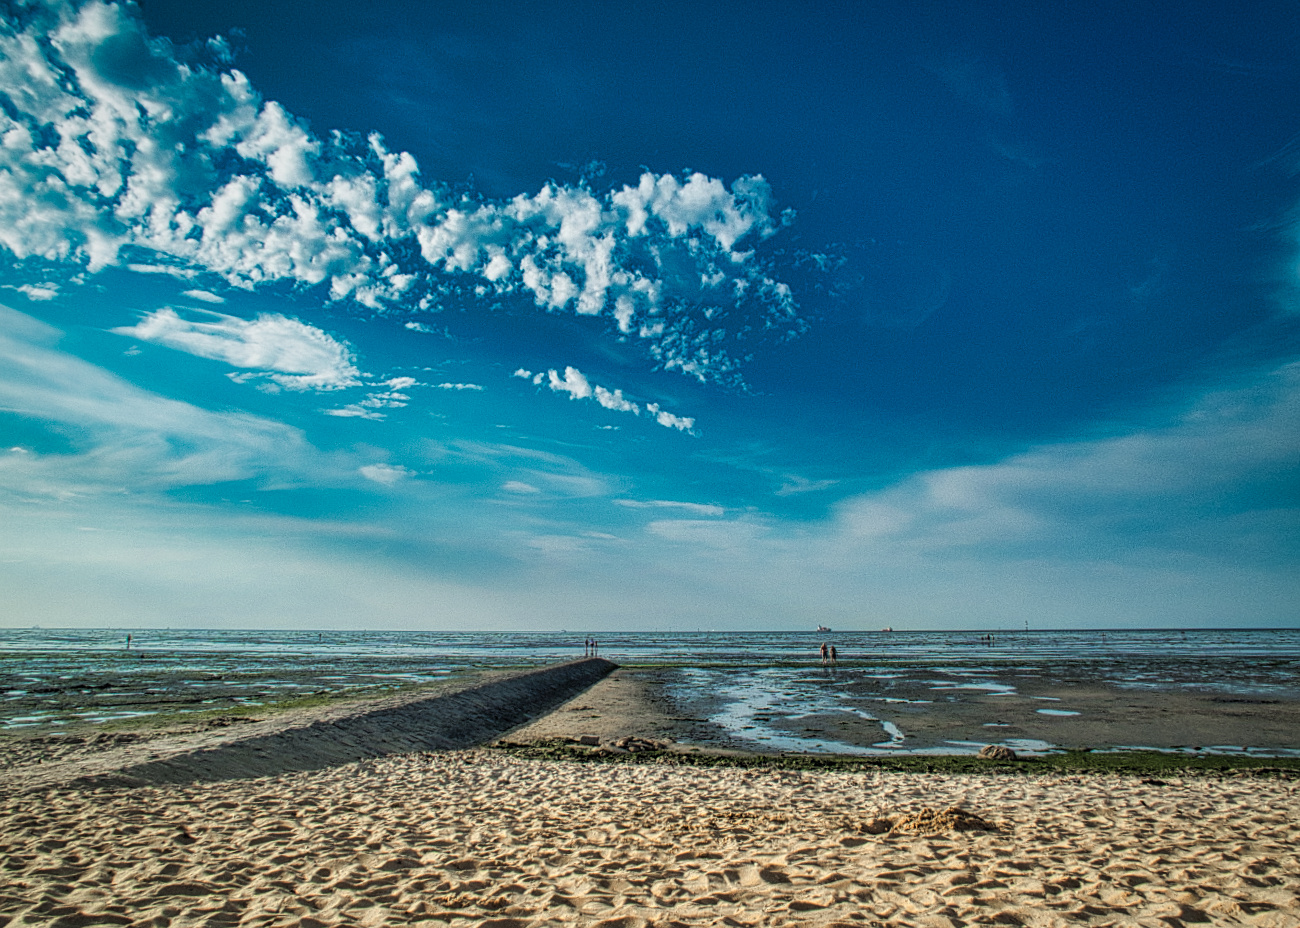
(225, 721)
(589, 740)
(108, 737)
(634, 745)
(997, 752)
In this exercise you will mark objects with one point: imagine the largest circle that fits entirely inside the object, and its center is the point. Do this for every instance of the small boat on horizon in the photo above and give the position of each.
(823, 628)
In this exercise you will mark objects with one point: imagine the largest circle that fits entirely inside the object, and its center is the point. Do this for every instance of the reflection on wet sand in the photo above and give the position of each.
(956, 710)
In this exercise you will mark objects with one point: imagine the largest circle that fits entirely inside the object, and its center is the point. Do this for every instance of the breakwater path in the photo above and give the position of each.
(458, 715)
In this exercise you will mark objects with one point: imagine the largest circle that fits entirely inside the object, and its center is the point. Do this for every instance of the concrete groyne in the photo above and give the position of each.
(455, 717)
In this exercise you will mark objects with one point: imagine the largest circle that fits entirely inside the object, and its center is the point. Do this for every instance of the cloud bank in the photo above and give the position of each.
(1214, 483)
(114, 145)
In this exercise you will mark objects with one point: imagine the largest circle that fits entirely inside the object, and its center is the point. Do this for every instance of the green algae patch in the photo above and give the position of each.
(166, 715)
(1149, 764)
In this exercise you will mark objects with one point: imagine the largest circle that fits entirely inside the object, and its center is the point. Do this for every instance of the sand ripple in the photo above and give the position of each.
(482, 839)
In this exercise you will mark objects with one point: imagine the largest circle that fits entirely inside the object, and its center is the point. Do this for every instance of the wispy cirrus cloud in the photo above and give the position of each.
(515, 468)
(129, 438)
(284, 351)
(794, 484)
(518, 486)
(113, 144)
(204, 296)
(698, 509)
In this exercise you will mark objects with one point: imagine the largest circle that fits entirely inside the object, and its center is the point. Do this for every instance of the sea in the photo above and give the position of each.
(737, 682)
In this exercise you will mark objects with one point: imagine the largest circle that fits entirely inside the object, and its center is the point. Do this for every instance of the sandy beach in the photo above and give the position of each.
(477, 838)
(480, 837)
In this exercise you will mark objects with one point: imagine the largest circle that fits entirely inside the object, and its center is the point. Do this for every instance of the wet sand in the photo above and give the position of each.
(644, 703)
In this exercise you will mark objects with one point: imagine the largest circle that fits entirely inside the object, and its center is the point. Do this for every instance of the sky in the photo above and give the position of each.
(583, 316)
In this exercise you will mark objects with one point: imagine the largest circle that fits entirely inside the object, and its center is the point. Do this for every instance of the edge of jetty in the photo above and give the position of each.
(458, 716)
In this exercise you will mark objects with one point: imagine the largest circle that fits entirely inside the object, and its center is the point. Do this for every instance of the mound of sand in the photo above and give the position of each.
(929, 822)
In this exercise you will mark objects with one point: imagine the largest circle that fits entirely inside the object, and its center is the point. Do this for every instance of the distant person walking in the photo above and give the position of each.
(835, 655)
(826, 653)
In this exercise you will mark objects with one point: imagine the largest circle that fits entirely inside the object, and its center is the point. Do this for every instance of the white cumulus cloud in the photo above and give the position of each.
(669, 420)
(574, 383)
(39, 292)
(578, 387)
(109, 145)
(389, 396)
(355, 411)
(387, 474)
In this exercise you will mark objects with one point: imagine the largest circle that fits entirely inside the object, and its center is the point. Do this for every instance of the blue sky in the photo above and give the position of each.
(592, 316)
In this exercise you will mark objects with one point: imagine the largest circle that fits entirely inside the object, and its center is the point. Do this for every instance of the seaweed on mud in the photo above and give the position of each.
(1126, 763)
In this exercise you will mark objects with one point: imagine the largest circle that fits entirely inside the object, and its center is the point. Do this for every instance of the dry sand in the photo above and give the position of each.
(477, 838)
(480, 838)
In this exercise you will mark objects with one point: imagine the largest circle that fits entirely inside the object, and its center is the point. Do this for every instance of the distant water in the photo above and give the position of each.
(735, 648)
(62, 676)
